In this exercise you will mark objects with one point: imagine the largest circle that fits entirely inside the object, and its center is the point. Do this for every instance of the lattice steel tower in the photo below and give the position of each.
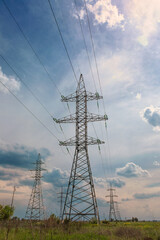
(80, 202)
(35, 209)
(114, 213)
(61, 197)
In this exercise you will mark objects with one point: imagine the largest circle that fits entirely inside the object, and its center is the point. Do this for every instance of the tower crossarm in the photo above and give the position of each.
(95, 117)
(93, 141)
(68, 119)
(93, 96)
(73, 96)
(90, 118)
(111, 195)
(111, 189)
(73, 142)
(69, 98)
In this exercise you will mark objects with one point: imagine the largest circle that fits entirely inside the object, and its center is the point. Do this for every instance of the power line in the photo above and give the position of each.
(34, 97)
(85, 44)
(29, 110)
(93, 47)
(94, 83)
(60, 33)
(37, 56)
(83, 40)
(21, 30)
(29, 89)
(87, 57)
(94, 53)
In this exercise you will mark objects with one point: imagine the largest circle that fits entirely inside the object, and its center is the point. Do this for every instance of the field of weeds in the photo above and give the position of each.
(23, 230)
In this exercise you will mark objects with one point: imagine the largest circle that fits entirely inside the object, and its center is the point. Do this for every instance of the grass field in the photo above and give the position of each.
(81, 231)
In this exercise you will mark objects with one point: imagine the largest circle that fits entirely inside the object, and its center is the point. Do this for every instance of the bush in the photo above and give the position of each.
(6, 212)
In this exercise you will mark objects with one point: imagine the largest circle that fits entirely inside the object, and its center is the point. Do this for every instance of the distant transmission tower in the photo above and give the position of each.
(114, 213)
(80, 202)
(61, 197)
(118, 212)
(35, 209)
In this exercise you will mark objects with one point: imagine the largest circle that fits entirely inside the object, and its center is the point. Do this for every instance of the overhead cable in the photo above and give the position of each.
(37, 56)
(85, 44)
(29, 110)
(60, 33)
(29, 89)
(93, 50)
(29, 43)
(93, 47)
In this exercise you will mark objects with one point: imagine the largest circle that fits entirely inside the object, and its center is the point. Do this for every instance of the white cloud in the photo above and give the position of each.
(143, 40)
(82, 14)
(145, 16)
(151, 115)
(138, 96)
(132, 170)
(118, 68)
(105, 12)
(100, 182)
(9, 81)
(156, 163)
(116, 182)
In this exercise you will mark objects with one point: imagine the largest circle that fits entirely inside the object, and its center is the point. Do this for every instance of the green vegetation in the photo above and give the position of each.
(6, 212)
(52, 229)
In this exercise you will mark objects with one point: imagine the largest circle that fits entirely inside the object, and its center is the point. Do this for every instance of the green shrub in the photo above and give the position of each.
(6, 212)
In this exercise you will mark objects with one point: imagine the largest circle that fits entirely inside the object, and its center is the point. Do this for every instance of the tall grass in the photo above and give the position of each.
(55, 230)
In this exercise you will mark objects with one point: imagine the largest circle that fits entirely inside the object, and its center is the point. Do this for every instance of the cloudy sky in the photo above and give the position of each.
(36, 71)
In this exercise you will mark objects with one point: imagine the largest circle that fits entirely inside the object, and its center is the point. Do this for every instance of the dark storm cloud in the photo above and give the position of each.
(5, 191)
(20, 156)
(153, 185)
(57, 177)
(146, 195)
(26, 182)
(126, 199)
(7, 175)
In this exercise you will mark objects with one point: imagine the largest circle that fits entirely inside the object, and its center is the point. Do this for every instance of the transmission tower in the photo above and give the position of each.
(117, 212)
(61, 197)
(80, 201)
(35, 209)
(114, 213)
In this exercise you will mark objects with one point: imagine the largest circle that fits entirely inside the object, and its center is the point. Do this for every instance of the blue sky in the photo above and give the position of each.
(126, 39)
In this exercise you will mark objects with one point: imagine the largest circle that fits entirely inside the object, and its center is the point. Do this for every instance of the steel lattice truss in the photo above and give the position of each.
(114, 213)
(80, 202)
(35, 209)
